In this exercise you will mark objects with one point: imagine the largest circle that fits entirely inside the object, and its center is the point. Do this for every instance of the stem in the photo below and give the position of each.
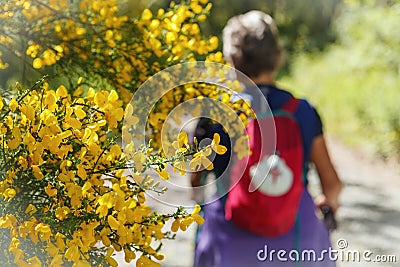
(24, 95)
(97, 161)
(89, 107)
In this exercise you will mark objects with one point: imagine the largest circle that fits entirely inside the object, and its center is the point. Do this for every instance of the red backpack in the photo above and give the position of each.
(269, 182)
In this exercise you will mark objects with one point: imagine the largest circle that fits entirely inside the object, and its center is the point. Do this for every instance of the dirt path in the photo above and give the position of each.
(370, 213)
(369, 218)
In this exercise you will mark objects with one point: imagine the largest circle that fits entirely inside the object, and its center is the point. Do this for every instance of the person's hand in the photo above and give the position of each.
(327, 211)
(321, 200)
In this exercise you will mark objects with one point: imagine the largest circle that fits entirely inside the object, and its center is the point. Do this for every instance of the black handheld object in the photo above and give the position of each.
(329, 217)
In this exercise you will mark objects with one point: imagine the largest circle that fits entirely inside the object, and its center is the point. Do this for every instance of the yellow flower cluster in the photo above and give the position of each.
(124, 51)
(65, 196)
(174, 33)
(92, 39)
(201, 99)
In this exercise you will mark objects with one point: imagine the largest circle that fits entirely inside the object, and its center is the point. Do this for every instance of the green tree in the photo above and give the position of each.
(355, 81)
(304, 25)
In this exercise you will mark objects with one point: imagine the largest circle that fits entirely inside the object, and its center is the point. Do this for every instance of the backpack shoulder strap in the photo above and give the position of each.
(287, 109)
(291, 105)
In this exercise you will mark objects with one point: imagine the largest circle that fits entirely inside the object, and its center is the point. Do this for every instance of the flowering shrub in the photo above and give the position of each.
(110, 49)
(65, 194)
(97, 40)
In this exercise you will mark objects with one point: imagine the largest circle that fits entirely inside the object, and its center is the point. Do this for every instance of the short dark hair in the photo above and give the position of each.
(251, 43)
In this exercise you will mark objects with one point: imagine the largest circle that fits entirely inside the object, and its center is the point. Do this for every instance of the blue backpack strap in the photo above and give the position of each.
(287, 109)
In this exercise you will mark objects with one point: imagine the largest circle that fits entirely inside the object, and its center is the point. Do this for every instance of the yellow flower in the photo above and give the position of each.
(100, 99)
(219, 149)
(74, 191)
(181, 144)
(196, 209)
(144, 261)
(85, 188)
(181, 166)
(196, 216)
(163, 174)
(185, 223)
(28, 111)
(14, 143)
(73, 253)
(159, 257)
(82, 263)
(115, 152)
(80, 31)
(109, 259)
(106, 202)
(8, 221)
(61, 91)
(139, 159)
(113, 96)
(50, 191)
(155, 118)
(30, 209)
(80, 114)
(175, 225)
(60, 241)
(113, 116)
(33, 50)
(59, 49)
(51, 100)
(49, 57)
(196, 7)
(141, 199)
(62, 212)
(129, 255)
(37, 63)
(81, 171)
(146, 14)
(66, 135)
(44, 231)
(201, 159)
(88, 232)
(56, 261)
(170, 37)
(13, 104)
(37, 173)
(90, 94)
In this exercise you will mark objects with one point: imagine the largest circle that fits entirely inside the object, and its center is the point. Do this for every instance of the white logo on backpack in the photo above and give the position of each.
(271, 176)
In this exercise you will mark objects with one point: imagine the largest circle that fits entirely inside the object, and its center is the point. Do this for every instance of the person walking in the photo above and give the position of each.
(251, 45)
